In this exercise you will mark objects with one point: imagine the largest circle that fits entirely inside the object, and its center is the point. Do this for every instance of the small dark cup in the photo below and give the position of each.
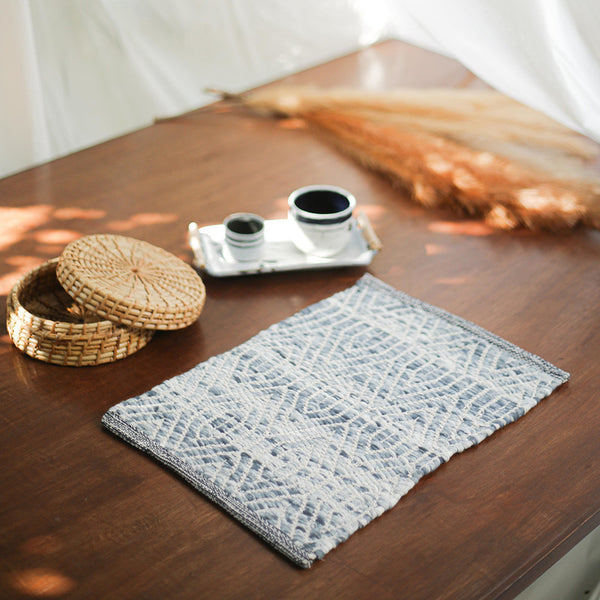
(245, 236)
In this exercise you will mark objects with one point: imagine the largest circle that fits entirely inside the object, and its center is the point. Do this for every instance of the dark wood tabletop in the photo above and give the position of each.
(84, 515)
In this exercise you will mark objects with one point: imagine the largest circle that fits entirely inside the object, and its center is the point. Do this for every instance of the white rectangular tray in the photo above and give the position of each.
(211, 253)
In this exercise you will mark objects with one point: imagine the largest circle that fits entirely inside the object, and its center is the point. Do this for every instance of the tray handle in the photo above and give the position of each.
(196, 246)
(368, 232)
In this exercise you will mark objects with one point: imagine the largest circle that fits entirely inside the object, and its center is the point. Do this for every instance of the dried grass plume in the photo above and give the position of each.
(477, 151)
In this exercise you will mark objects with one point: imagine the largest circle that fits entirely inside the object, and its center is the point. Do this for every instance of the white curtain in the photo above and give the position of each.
(77, 72)
(23, 131)
(545, 53)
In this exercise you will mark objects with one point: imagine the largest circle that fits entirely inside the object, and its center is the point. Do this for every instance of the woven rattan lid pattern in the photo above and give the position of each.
(131, 282)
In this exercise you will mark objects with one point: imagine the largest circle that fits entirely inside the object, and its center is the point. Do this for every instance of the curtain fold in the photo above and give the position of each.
(544, 53)
(24, 133)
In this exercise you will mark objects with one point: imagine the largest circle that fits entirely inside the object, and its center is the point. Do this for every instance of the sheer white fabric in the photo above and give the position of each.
(75, 73)
(544, 53)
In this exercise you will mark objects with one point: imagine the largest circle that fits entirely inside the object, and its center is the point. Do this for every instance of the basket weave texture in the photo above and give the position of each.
(131, 282)
(45, 323)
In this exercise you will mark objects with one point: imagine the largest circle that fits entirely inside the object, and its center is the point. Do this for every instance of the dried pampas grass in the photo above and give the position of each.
(477, 151)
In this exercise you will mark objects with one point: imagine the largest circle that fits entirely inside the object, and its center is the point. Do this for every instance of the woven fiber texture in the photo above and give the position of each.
(44, 322)
(131, 282)
(320, 423)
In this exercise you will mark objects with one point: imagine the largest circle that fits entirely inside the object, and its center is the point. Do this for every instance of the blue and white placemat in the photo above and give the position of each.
(320, 423)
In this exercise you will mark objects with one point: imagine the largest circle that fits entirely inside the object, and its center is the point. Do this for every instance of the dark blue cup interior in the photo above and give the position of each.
(245, 224)
(322, 202)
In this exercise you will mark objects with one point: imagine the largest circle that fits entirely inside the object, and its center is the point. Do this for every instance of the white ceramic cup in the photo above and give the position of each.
(320, 219)
(245, 236)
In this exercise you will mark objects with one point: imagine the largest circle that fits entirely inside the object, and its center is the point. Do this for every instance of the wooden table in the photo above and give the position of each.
(85, 515)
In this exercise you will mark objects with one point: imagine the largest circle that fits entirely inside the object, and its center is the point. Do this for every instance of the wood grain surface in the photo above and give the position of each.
(83, 515)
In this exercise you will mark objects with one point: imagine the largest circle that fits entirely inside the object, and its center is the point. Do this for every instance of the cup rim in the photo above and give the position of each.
(307, 216)
(246, 215)
(244, 238)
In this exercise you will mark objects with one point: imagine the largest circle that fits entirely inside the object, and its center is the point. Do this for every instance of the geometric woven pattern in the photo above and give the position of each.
(320, 423)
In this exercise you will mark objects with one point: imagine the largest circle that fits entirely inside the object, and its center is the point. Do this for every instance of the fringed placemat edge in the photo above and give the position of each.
(213, 492)
(560, 375)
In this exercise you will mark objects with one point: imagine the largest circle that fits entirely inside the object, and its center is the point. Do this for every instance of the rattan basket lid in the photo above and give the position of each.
(131, 282)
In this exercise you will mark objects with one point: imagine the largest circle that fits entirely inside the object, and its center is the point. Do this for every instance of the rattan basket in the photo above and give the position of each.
(44, 322)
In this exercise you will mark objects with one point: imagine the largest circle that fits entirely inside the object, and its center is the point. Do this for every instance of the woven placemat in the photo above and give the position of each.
(320, 423)
(131, 282)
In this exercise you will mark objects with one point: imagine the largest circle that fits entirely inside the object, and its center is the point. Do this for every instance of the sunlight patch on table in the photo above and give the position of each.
(140, 220)
(41, 582)
(473, 228)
